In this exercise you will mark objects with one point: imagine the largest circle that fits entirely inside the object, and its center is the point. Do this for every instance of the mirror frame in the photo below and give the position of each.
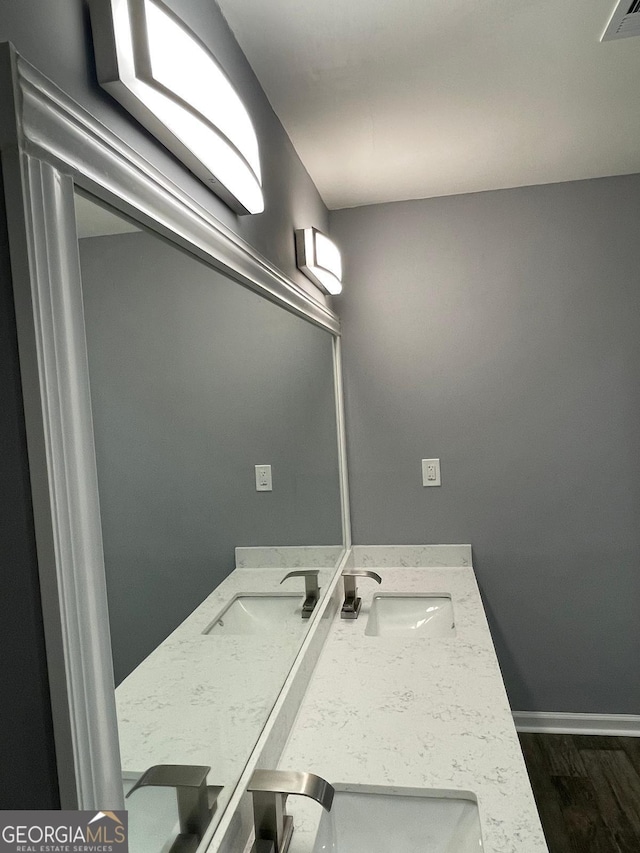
(50, 145)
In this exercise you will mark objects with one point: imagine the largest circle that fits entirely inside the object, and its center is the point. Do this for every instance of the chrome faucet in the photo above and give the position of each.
(270, 789)
(311, 588)
(352, 604)
(196, 799)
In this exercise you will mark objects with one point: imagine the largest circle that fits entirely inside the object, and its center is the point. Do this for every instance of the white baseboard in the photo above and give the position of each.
(621, 725)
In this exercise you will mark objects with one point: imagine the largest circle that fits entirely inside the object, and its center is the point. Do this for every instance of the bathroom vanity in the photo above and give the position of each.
(404, 704)
(405, 712)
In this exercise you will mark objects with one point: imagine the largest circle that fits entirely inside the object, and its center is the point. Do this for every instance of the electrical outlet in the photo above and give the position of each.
(263, 478)
(431, 472)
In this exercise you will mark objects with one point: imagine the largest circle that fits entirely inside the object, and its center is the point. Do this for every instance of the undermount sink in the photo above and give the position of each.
(408, 614)
(259, 614)
(406, 821)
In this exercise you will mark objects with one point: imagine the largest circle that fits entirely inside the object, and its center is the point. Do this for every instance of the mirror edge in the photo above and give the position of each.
(237, 822)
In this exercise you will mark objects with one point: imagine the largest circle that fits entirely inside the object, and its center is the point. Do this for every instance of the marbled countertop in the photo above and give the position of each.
(415, 712)
(288, 557)
(204, 698)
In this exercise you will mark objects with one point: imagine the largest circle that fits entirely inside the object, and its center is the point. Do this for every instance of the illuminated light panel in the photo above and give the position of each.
(319, 259)
(167, 79)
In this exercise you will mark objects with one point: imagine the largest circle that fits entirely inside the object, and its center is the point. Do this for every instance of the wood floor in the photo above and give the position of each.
(587, 790)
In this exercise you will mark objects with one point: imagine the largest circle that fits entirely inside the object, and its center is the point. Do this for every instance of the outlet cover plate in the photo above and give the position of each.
(431, 472)
(263, 478)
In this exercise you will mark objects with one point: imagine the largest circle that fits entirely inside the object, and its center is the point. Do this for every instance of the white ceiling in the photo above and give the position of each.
(396, 99)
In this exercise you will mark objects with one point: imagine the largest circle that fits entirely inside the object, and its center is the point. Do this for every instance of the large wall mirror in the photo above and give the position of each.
(162, 359)
(195, 380)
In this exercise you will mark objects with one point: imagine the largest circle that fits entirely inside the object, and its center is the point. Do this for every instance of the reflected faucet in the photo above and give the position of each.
(196, 800)
(270, 789)
(352, 604)
(311, 588)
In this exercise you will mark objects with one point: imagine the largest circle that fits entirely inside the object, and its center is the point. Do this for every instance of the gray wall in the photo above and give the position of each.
(27, 758)
(501, 333)
(56, 37)
(194, 381)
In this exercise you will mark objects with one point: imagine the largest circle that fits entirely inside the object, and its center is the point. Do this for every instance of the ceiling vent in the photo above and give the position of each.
(624, 22)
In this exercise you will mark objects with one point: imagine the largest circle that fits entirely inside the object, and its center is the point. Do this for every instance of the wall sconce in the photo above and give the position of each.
(161, 72)
(319, 259)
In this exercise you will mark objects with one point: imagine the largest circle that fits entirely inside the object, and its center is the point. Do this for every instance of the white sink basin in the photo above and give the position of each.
(405, 822)
(409, 615)
(259, 613)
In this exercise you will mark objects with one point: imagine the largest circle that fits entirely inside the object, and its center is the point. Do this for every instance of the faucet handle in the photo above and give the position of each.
(311, 588)
(196, 800)
(172, 776)
(361, 573)
(270, 789)
(352, 604)
(308, 574)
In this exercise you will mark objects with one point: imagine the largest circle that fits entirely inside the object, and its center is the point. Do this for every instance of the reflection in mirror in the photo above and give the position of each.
(195, 381)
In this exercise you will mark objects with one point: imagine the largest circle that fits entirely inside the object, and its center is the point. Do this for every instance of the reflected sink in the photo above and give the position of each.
(411, 615)
(153, 817)
(259, 614)
(403, 822)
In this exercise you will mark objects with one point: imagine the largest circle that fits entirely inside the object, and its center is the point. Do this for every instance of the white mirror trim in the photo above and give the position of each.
(342, 442)
(49, 144)
(56, 129)
(55, 382)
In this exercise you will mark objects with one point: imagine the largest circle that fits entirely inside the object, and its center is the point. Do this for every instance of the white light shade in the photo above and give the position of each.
(165, 76)
(319, 259)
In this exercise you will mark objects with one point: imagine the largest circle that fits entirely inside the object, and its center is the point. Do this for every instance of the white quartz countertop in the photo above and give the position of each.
(204, 698)
(415, 712)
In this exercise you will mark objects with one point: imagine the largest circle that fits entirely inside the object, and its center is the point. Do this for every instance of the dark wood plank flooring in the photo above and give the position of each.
(587, 790)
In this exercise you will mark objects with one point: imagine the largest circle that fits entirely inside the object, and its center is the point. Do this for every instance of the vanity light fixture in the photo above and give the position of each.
(161, 72)
(319, 259)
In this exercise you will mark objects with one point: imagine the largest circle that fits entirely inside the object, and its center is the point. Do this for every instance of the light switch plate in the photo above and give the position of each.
(263, 478)
(431, 472)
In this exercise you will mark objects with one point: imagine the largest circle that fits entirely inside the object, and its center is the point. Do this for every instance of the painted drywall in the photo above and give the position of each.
(56, 38)
(27, 757)
(500, 332)
(194, 381)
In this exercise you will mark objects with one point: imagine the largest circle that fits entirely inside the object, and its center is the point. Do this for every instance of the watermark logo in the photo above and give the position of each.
(63, 832)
